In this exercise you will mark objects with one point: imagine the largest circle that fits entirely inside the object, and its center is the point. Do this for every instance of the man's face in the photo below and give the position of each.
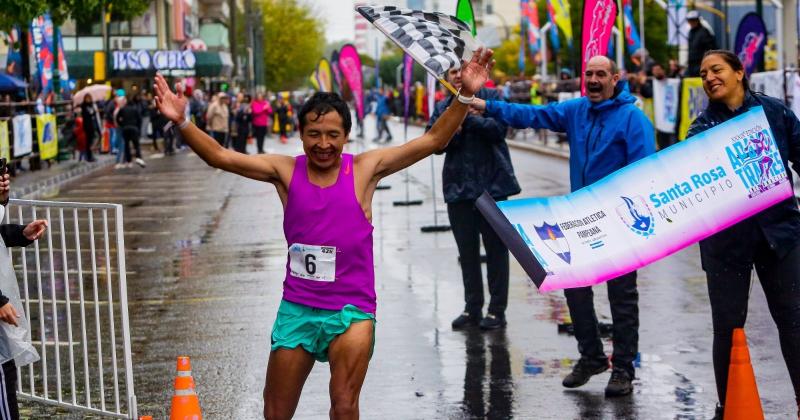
(600, 82)
(693, 23)
(454, 78)
(658, 72)
(323, 139)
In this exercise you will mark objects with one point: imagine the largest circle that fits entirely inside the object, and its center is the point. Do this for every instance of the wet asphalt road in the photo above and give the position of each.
(206, 258)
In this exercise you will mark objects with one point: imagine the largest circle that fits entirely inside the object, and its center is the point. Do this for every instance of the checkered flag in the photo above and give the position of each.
(436, 41)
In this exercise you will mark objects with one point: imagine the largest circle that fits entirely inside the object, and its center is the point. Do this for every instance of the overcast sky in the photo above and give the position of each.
(338, 16)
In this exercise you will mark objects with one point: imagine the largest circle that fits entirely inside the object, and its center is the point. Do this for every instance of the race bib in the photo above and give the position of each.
(312, 262)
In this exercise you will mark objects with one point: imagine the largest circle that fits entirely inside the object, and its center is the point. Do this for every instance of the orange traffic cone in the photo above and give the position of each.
(742, 401)
(184, 368)
(145, 417)
(185, 405)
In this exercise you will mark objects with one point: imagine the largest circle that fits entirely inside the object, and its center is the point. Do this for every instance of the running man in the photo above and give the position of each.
(328, 309)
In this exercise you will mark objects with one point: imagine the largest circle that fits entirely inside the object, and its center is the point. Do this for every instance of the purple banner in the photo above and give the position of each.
(408, 74)
(751, 38)
(350, 66)
(599, 17)
(337, 74)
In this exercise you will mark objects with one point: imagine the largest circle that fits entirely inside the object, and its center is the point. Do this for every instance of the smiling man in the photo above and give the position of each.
(328, 309)
(606, 132)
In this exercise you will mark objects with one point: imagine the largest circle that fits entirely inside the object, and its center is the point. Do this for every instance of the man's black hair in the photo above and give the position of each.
(322, 103)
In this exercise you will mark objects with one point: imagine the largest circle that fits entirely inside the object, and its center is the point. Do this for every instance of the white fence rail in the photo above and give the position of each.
(74, 292)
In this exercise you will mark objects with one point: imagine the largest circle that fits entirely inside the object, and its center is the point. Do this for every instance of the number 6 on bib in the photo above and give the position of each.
(313, 262)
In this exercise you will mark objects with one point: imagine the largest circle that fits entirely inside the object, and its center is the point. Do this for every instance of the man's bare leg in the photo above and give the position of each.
(349, 358)
(287, 371)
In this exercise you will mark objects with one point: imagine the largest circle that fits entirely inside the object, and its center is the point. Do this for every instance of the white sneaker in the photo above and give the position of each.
(141, 162)
(119, 166)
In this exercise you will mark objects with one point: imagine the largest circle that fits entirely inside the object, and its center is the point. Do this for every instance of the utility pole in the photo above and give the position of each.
(232, 39)
(248, 27)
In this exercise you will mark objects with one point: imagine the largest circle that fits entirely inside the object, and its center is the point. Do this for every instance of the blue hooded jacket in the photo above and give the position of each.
(603, 136)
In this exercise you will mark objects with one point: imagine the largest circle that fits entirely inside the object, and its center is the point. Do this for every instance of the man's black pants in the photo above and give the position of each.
(8, 391)
(469, 227)
(623, 298)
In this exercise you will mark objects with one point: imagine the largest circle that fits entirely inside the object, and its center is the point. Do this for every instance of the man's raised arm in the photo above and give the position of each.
(259, 167)
(390, 160)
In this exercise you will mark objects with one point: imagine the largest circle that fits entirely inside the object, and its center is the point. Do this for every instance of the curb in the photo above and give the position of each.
(37, 189)
(530, 147)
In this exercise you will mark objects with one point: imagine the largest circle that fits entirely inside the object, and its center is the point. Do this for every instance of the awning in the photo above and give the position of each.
(213, 64)
(80, 64)
(11, 83)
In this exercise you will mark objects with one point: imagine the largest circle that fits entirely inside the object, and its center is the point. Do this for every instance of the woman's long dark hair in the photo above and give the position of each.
(733, 61)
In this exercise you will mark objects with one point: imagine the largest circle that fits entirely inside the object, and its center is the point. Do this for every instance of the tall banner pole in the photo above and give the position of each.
(436, 227)
(408, 73)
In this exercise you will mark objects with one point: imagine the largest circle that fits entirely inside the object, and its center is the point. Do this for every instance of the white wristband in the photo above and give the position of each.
(466, 100)
(184, 124)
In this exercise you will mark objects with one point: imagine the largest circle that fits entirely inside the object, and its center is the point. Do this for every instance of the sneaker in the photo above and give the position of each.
(141, 162)
(466, 320)
(581, 372)
(493, 322)
(619, 384)
(119, 166)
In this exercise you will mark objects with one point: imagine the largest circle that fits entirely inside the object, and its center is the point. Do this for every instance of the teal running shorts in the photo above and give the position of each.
(314, 329)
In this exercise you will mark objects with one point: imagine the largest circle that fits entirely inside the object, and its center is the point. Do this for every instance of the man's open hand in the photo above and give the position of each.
(476, 72)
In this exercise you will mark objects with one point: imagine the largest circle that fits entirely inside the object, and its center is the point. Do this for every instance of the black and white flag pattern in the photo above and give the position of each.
(437, 41)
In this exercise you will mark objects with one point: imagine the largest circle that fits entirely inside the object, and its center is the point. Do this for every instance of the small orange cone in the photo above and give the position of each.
(742, 401)
(184, 368)
(185, 405)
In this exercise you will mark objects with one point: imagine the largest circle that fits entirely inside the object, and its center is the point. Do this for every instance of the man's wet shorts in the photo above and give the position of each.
(314, 329)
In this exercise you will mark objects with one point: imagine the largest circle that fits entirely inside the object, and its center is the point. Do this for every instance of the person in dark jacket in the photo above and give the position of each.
(129, 120)
(606, 132)
(13, 236)
(477, 160)
(242, 116)
(768, 241)
(700, 41)
(90, 125)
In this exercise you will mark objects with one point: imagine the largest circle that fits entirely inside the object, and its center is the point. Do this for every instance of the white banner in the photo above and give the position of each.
(647, 210)
(666, 102)
(794, 91)
(23, 135)
(769, 83)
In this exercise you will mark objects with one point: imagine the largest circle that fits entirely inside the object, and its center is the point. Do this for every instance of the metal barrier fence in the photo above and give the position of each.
(72, 281)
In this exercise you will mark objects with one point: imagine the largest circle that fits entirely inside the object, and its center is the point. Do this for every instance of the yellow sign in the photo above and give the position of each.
(46, 134)
(693, 102)
(5, 148)
(99, 65)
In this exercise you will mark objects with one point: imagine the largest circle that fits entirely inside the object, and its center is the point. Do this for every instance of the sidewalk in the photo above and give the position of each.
(34, 184)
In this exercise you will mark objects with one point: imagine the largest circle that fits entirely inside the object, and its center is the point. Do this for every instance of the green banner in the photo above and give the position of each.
(465, 14)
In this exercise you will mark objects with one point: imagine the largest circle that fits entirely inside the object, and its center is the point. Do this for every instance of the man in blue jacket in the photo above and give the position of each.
(606, 132)
(477, 160)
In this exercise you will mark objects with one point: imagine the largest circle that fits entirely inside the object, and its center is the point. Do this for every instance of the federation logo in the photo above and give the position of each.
(636, 215)
(553, 237)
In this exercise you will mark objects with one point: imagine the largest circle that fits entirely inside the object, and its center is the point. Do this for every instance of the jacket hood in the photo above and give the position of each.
(622, 96)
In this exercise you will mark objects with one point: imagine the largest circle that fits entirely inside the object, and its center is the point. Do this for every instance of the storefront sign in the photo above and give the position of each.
(168, 62)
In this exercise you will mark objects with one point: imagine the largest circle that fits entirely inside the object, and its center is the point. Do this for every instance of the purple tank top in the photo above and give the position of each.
(330, 263)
